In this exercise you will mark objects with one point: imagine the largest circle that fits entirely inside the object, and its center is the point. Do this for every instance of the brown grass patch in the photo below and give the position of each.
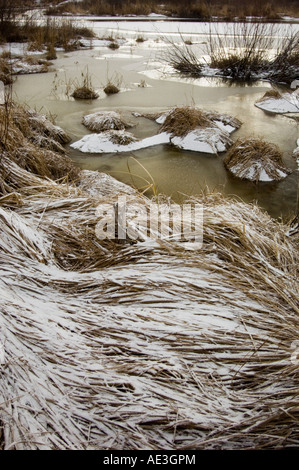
(271, 94)
(113, 45)
(253, 156)
(111, 89)
(35, 144)
(84, 93)
(184, 119)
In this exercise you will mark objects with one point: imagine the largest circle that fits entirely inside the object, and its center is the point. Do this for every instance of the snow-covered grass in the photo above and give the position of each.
(281, 103)
(256, 160)
(139, 345)
(184, 127)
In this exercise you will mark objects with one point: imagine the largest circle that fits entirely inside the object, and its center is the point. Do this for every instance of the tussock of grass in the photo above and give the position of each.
(181, 120)
(105, 121)
(249, 158)
(111, 89)
(84, 93)
(241, 52)
(113, 45)
(84, 90)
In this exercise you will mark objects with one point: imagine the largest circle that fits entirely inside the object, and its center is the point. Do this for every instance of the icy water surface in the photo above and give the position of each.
(148, 87)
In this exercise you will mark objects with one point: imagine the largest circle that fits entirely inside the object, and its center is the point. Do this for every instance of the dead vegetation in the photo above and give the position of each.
(256, 159)
(204, 10)
(84, 93)
(105, 121)
(34, 143)
(5, 72)
(182, 120)
(111, 89)
(240, 52)
(84, 89)
(179, 345)
(127, 346)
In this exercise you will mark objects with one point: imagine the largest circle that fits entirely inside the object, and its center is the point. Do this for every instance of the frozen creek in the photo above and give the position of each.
(148, 86)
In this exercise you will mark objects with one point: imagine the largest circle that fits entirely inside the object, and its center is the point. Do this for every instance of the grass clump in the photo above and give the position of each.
(85, 89)
(113, 45)
(111, 89)
(105, 121)
(34, 143)
(256, 160)
(84, 93)
(140, 39)
(181, 120)
(244, 51)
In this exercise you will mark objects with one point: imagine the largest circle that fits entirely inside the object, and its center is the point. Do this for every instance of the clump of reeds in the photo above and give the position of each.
(182, 120)
(113, 45)
(121, 137)
(241, 52)
(35, 144)
(256, 159)
(183, 58)
(111, 89)
(84, 93)
(51, 52)
(84, 90)
(140, 39)
(6, 70)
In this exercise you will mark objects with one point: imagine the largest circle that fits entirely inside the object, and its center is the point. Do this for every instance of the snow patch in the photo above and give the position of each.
(287, 103)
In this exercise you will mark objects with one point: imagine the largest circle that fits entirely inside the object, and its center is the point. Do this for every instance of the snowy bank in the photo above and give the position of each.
(280, 103)
(117, 142)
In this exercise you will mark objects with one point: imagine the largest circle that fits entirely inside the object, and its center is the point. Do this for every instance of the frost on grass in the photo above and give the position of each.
(190, 128)
(104, 121)
(142, 345)
(275, 102)
(187, 128)
(116, 141)
(256, 160)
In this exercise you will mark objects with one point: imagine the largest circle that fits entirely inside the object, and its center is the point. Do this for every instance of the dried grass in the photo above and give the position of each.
(248, 158)
(111, 89)
(271, 94)
(181, 120)
(104, 121)
(84, 93)
(143, 345)
(35, 144)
